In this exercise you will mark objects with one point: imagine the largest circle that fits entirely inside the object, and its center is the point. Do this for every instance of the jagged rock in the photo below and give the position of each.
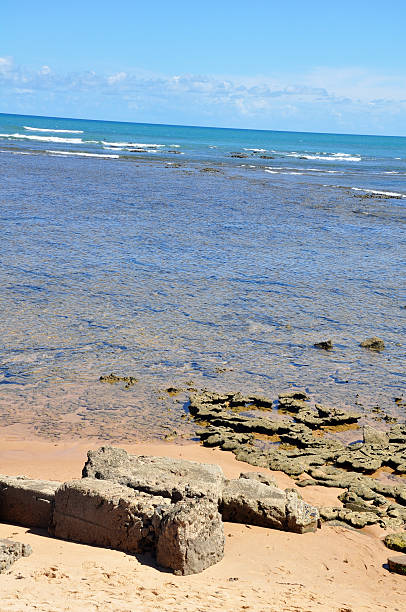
(173, 478)
(259, 477)
(190, 537)
(293, 400)
(397, 434)
(27, 501)
(355, 519)
(325, 345)
(106, 513)
(396, 541)
(375, 437)
(397, 564)
(252, 502)
(373, 344)
(300, 517)
(11, 551)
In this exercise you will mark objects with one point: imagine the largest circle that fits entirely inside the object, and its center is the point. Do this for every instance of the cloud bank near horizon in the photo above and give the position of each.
(325, 99)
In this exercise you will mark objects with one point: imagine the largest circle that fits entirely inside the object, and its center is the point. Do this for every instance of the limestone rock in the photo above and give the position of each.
(375, 437)
(190, 537)
(11, 551)
(396, 541)
(105, 513)
(171, 478)
(397, 564)
(26, 501)
(252, 502)
(259, 477)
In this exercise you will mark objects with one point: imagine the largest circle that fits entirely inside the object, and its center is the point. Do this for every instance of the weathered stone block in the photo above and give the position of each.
(105, 513)
(176, 479)
(190, 537)
(26, 501)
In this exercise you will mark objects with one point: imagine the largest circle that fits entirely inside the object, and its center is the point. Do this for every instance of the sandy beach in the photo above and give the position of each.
(336, 568)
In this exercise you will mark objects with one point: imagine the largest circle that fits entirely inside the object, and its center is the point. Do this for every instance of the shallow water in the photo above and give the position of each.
(180, 277)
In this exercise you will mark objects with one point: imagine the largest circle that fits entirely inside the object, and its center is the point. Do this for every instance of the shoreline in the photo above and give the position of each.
(263, 569)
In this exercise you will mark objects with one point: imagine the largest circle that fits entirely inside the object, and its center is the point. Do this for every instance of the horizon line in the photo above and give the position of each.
(211, 127)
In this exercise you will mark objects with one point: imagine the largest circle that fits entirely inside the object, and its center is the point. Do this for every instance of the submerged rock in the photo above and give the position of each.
(325, 345)
(373, 344)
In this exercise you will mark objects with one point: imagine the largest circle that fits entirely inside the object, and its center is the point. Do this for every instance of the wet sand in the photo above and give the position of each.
(335, 569)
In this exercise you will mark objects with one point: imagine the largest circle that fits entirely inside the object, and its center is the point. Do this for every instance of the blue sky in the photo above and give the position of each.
(311, 66)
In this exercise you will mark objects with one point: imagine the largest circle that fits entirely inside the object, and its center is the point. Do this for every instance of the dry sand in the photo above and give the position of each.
(335, 569)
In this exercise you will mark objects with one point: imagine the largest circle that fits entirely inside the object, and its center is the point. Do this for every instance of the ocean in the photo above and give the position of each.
(194, 257)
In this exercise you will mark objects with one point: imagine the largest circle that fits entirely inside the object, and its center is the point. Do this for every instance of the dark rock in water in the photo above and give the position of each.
(396, 541)
(397, 564)
(239, 155)
(267, 156)
(326, 345)
(173, 151)
(190, 537)
(210, 170)
(11, 551)
(113, 379)
(373, 344)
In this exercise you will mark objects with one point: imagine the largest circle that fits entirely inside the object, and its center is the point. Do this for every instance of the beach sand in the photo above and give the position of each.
(335, 569)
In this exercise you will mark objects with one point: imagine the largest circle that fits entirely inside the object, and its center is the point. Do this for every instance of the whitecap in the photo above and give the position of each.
(333, 157)
(43, 138)
(390, 194)
(256, 150)
(82, 154)
(137, 145)
(34, 129)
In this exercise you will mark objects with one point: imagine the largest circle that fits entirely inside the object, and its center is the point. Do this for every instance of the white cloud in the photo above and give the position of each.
(324, 99)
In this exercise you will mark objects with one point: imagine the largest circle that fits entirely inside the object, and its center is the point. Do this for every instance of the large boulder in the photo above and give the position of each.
(11, 551)
(26, 501)
(187, 536)
(190, 537)
(106, 513)
(175, 479)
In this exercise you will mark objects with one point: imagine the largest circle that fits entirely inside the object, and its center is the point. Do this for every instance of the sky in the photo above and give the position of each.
(265, 64)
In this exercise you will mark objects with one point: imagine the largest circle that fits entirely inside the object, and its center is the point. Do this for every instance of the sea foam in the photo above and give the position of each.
(43, 138)
(64, 153)
(34, 129)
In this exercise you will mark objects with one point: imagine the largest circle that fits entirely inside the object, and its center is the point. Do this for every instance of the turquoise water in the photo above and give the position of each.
(362, 162)
(194, 268)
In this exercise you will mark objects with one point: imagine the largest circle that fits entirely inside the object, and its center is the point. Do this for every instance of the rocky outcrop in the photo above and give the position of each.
(11, 551)
(245, 500)
(170, 507)
(27, 501)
